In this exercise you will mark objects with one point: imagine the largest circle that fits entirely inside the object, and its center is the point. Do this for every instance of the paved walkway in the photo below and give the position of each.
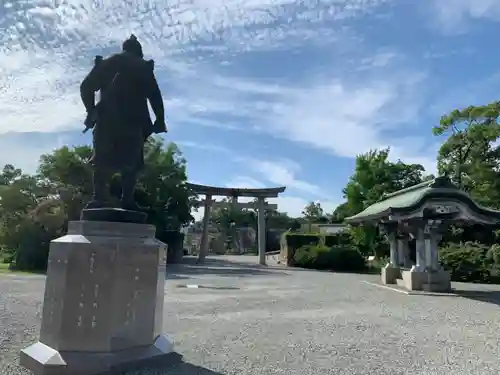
(251, 320)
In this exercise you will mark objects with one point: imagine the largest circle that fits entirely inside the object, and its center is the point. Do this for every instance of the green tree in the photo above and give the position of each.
(279, 220)
(35, 209)
(24, 235)
(470, 154)
(374, 176)
(68, 174)
(341, 212)
(162, 188)
(313, 213)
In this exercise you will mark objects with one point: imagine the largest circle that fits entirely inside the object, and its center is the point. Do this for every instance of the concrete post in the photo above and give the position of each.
(204, 235)
(419, 251)
(261, 215)
(432, 237)
(401, 251)
(391, 272)
(404, 251)
(434, 261)
(393, 246)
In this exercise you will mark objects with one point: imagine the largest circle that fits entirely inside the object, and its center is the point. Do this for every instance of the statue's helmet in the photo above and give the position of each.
(132, 45)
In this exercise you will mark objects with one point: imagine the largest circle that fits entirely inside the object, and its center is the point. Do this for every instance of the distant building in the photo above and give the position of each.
(331, 228)
(322, 228)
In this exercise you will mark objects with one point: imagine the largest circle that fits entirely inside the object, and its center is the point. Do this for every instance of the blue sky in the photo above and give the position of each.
(257, 92)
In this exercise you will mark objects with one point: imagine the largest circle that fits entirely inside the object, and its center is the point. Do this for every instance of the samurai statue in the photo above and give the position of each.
(120, 121)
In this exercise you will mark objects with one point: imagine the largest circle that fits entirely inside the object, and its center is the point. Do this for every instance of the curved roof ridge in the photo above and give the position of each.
(441, 182)
(408, 189)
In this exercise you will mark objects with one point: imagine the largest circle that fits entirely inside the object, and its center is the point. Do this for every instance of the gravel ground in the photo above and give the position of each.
(253, 320)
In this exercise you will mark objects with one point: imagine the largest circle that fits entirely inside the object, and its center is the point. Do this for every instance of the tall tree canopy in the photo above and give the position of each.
(313, 212)
(34, 209)
(470, 153)
(374, 176)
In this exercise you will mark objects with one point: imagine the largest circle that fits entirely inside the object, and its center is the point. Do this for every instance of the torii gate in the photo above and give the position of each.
(261, 206)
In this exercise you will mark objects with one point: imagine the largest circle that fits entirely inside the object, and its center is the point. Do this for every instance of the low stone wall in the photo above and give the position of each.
(289, 244)
(286, 252)
(273, 257)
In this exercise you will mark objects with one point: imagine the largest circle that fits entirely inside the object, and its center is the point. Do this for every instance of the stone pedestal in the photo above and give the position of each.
(103, 303)
(438, 281)
(433, 281)
(390, 274)
(414, 279)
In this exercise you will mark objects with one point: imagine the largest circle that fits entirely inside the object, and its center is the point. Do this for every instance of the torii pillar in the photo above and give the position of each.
(262, 207)
(261, 228)
(204, 236)
(261, 194)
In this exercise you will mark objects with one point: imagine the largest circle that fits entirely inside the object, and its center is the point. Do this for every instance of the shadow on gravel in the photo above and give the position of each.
(489, 296)
(175, 365)
(185, 368)
(219, 267)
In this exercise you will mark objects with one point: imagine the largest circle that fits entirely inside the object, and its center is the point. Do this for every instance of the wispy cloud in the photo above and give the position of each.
(54, 42)
(272, 173)
(340, 115)
(283, 173)
(356, 97)
(453, 16)
(288, 203)
(24, 149)
(280, 172)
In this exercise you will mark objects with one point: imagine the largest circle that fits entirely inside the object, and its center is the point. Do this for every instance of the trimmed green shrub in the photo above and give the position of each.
(306, 256)
(297, 240)
(467, 262)
(335, 258)
(493, 255)
(32, 243)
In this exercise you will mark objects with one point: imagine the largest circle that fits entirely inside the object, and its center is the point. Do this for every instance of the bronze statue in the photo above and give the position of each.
(120, 121)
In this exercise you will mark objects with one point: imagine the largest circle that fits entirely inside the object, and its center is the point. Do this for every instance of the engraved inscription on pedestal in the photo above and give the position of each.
(103, 296)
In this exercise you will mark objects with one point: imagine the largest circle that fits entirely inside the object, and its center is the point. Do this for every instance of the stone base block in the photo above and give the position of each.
(390, 274)
(413, 280)
(439, 281)
(113, 215)
(43, 360)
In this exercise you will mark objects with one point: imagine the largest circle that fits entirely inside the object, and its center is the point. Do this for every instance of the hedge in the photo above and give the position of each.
(471, 262)
(296, 240)
(334, 258)
(468, 262)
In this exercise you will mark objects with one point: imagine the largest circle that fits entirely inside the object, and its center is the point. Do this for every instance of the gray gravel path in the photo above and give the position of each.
(256, 320)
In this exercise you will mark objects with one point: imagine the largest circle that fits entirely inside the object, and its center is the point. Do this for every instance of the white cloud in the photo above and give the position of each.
(340, 115)
(293, 205)
(282, 173)
(453, 15)
(24, 150)
(287, 203)
(46, 47)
